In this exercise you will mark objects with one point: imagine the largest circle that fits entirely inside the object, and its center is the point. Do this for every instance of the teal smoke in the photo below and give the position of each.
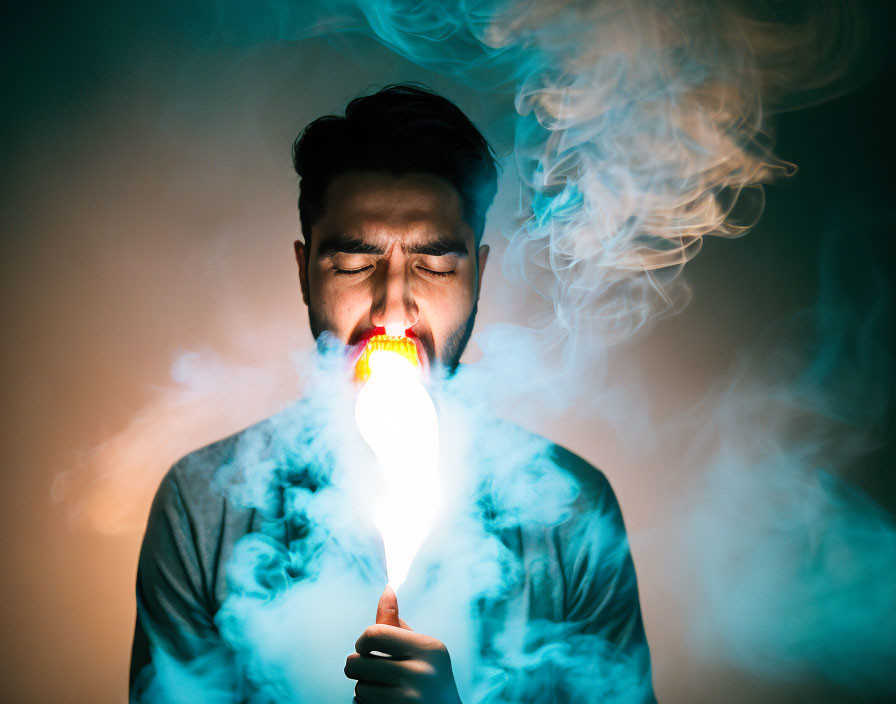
(795, 565)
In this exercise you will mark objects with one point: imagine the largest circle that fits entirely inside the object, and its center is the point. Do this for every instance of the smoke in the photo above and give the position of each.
(640, 128)
(210, 396)
(301, 586)
(793, 566)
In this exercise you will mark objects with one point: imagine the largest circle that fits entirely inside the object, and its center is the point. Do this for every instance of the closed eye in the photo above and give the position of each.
(433, 272)
(349, 272)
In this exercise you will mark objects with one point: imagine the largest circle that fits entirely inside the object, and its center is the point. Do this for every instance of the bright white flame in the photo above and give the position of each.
(397, 418)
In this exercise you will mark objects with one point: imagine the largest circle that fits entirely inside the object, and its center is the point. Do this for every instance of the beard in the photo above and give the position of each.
(457, 341)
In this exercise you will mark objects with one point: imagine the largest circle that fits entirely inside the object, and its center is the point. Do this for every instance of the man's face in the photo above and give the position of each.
(393, 252)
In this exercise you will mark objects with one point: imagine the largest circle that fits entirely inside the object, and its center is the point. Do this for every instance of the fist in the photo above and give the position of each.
(393, 664)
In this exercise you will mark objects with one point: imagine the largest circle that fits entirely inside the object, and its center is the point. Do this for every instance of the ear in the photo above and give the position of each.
(302, 261)
(483, 258)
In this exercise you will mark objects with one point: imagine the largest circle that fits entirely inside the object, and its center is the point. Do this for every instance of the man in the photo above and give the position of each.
(393, 198)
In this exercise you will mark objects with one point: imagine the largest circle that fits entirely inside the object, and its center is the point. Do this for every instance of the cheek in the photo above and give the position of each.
(339, 304)
(449, 306)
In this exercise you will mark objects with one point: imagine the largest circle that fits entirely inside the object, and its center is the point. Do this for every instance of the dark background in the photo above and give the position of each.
(148, 207)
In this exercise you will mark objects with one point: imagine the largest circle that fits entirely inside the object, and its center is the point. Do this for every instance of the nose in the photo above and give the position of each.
(393, 304)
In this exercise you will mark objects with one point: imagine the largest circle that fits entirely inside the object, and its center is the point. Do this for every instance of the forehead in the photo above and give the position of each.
(376, 204)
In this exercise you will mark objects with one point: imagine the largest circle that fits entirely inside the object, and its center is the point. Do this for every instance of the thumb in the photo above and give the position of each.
(387, 608)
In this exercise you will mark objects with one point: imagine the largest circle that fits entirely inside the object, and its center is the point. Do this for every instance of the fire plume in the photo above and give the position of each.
(397, 418)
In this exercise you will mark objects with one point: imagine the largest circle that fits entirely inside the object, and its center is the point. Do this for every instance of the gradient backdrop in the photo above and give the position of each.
(148, 209)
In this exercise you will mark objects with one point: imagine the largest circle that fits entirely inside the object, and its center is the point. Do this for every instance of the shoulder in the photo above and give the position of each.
(524, 446)
(219, 472)
(544, 480)
(204, 505)
(591, 482)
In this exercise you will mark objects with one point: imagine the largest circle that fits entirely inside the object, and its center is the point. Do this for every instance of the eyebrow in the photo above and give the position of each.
(441, 247)
(347, 245)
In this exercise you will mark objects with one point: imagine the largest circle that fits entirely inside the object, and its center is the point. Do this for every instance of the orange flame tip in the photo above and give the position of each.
(398, 344)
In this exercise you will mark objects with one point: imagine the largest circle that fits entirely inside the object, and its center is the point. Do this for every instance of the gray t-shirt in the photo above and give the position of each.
(566, 625)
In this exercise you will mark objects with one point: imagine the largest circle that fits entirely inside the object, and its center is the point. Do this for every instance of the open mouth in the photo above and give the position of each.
(408, 346)
(355, 350)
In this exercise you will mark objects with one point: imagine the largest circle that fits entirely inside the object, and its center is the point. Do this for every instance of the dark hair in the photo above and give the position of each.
(401, 129)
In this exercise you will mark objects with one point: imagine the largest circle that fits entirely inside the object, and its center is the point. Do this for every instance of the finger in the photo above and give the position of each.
(404, 624)
(378, 694)
(374, 670)
(391, 640)
(387, 608)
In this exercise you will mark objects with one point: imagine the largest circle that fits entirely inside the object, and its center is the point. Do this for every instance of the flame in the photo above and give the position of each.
(397, 419)
(389, 343)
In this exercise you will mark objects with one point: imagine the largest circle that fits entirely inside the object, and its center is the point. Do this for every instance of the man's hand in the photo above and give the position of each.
(394, 665)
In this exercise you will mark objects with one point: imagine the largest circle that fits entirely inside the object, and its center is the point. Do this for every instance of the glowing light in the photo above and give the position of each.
(397, 419)
(400, 345)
